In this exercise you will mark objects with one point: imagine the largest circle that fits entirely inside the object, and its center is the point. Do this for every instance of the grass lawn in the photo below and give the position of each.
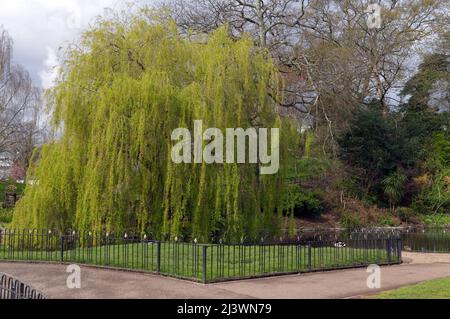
(186, 260)
(433, 289)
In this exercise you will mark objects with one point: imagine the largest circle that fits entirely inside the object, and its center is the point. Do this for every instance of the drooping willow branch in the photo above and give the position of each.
(112, 170)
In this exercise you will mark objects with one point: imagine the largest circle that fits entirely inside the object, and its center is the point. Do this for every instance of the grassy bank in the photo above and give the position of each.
(433, 289)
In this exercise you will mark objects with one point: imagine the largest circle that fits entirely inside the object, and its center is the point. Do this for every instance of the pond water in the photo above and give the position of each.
(426, 240)
(417, 239)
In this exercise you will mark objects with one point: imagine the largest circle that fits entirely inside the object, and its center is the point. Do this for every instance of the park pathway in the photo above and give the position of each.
(103, 283)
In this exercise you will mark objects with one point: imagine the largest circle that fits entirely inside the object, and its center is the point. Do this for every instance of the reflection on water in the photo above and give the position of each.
(413, 239)
(427, 240)
(341, 234)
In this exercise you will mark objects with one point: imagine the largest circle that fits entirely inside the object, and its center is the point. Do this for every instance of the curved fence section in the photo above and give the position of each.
(195, 261)
(12, 288)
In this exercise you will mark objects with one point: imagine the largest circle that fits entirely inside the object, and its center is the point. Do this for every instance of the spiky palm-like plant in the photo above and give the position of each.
(393, 187)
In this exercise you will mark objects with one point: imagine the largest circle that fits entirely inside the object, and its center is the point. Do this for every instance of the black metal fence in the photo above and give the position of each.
(195, 261)
(12, 288)
(427, 240)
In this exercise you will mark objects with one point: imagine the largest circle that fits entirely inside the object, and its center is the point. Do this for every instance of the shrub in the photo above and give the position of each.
(393, 187)
(386, 220)
(434, 195)
(369, 146)
(5, 216)
(305, 203)
(437, 220)
(351, 221)
(11, 188)
(405, 214)
(308, 168)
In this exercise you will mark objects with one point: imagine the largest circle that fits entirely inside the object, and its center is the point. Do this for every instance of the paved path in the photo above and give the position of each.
(102, 283)
(426, 258)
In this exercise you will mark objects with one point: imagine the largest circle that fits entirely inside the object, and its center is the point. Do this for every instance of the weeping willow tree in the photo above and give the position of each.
(123, 90)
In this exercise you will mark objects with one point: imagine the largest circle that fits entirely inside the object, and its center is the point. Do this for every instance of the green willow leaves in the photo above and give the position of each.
(124, 88)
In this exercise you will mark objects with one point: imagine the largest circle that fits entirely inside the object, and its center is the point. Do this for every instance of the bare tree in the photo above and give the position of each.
(385, 51)
(272, 22)
(330, 58)
(19, 101)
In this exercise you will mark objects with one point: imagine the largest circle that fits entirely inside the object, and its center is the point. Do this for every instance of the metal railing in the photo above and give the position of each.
(426, 240)
(12, 288)
(195, 261)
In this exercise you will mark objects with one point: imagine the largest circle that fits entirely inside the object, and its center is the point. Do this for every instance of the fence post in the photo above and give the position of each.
(388, 248)
(21, 290)
(204, 264)
(15, 294)
(309, 256)
(158, 257)
(399, 250)
(62, 248)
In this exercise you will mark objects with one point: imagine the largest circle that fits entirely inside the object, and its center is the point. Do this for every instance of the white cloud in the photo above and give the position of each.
(40, 27)
(50, 73)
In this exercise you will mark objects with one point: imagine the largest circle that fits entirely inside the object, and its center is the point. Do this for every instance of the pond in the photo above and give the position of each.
(415, 239)
(426, 240)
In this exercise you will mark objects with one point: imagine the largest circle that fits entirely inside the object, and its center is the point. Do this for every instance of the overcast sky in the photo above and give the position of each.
(40, 27)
